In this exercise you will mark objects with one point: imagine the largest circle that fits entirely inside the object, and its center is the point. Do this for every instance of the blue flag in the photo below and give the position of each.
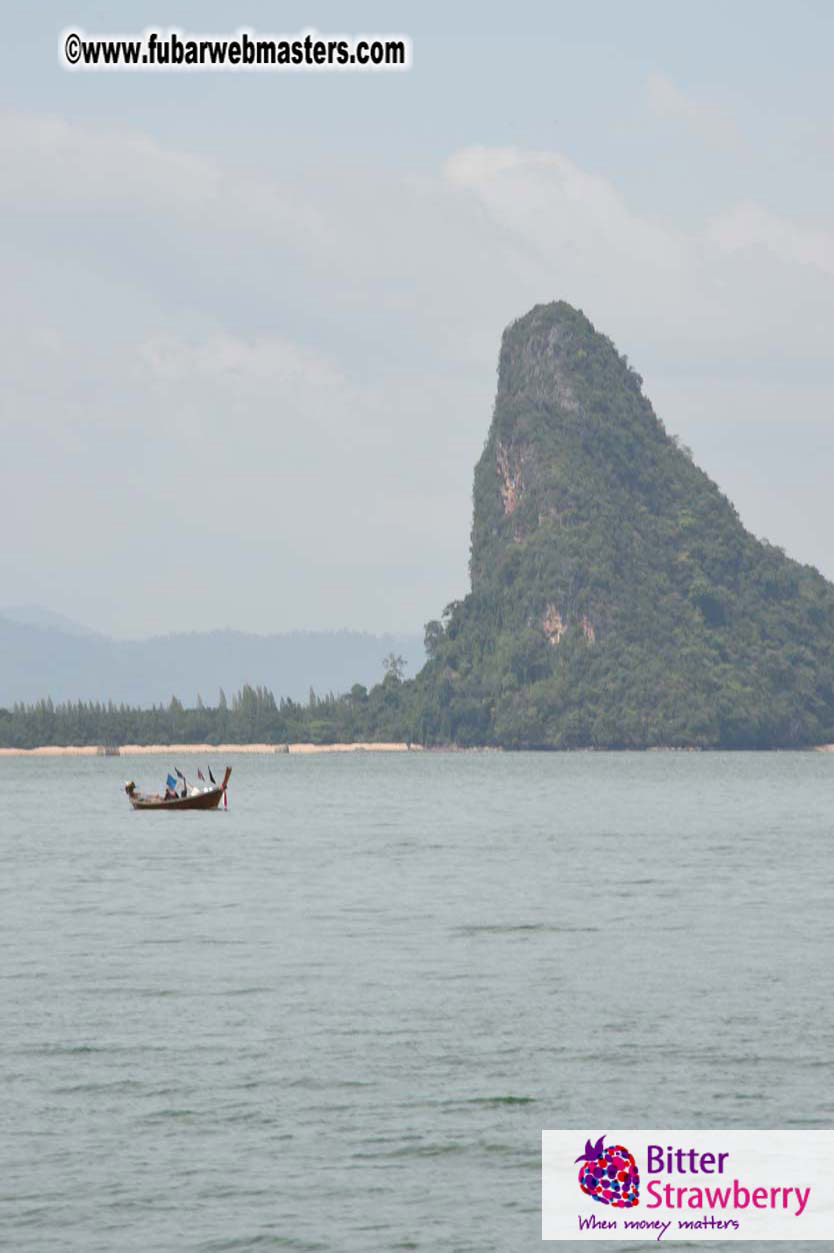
(171, 782)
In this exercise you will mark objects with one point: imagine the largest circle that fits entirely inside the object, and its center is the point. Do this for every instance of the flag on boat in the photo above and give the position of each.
(171, 783)
(201, 776)
(179, 774)
(211, 776)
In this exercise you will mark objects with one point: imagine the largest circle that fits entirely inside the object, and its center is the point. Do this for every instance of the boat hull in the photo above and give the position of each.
(203, 800)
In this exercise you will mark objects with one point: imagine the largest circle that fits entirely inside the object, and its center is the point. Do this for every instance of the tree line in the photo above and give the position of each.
(252, 715)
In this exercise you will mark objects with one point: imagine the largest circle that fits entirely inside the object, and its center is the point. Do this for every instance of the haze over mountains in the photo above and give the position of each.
(45, 654)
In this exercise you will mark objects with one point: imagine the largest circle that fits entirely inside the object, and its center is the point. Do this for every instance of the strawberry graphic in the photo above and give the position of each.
(609, 1175)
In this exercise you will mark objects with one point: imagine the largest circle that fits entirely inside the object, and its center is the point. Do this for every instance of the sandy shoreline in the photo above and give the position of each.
(222, 750)
(210, 750)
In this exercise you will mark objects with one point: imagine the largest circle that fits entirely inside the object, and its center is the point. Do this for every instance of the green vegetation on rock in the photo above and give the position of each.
(617, 600)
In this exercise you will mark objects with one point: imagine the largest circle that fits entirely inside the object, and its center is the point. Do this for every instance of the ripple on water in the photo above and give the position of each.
(342, 1021)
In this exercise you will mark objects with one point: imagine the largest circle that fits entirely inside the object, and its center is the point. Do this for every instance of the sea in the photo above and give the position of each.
(338, 1015)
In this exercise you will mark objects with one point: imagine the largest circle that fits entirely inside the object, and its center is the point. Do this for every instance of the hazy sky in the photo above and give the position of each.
(249, 323)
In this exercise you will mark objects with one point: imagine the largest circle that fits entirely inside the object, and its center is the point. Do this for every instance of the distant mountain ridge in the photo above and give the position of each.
(38, 616)
(45, 655)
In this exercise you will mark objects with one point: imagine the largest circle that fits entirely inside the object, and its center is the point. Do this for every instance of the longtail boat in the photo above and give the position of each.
(208, 798)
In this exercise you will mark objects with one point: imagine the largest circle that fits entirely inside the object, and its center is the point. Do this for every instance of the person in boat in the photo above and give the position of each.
(170, 788)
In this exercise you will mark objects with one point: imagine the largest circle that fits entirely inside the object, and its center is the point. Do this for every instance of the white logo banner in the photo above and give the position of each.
(687, 1185)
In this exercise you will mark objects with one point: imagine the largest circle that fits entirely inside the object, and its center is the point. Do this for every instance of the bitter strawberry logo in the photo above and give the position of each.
(610, 1175)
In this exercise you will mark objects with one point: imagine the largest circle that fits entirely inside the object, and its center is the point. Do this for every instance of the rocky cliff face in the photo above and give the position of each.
(616, 597)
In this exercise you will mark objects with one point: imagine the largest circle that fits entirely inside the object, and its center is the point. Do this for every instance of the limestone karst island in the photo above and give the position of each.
(616, 599)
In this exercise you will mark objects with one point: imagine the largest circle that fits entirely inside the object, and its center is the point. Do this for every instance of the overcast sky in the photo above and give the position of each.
(249, 323)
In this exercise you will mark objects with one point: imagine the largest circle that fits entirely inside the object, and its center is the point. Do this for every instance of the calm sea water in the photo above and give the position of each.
(339, 1015)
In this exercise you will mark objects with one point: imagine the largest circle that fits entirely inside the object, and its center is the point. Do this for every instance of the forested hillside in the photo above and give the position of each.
(616, 598)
